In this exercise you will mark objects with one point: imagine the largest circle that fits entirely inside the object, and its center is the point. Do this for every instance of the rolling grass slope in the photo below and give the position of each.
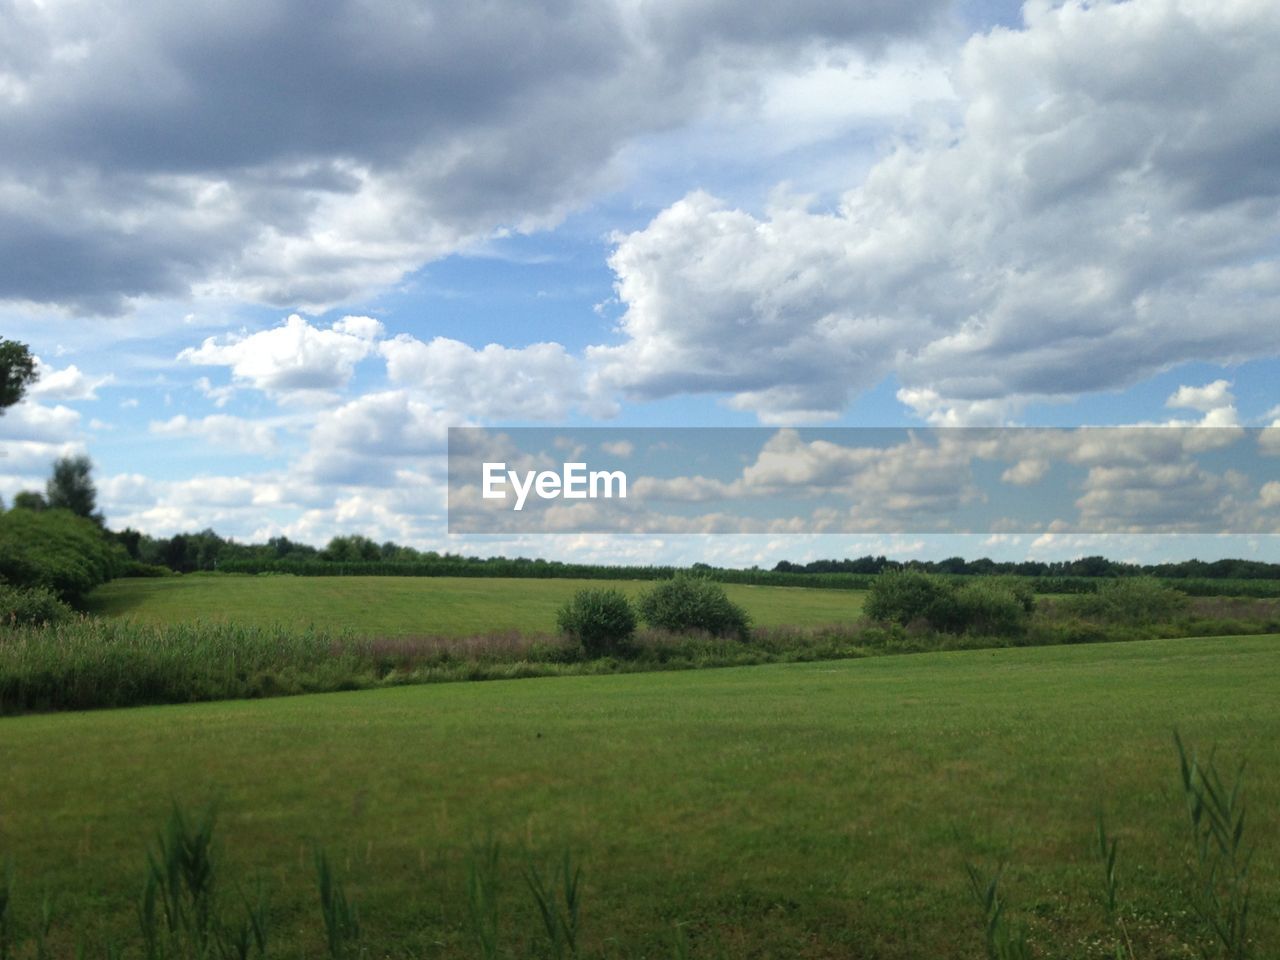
(419, 606)
(805, 810)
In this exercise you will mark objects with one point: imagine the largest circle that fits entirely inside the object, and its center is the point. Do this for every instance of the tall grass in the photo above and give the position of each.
(343, 934)
(1219, 868)
(1217, 882)
(91, 663)
(1003, 940)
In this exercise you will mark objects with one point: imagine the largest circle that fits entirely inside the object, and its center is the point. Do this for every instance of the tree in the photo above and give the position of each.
(17, 372)
(71, 488)
(29, 500)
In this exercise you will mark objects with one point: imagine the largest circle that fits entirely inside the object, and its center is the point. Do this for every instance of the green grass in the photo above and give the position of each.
(419, 606)
(802, 810)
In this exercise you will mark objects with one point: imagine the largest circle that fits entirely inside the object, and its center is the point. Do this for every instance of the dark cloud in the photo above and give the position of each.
(150, 147)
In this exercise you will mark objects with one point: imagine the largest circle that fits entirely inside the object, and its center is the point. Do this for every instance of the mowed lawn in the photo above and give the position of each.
(421, 606)
(806, 810)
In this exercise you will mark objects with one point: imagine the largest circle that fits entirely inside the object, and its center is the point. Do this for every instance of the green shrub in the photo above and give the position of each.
(688, 602)
(603, 621)
(1133, 601)
(136, 568)
(996, 606)
(57, 550)
(992, 605)
(904, 596)
(30, 606)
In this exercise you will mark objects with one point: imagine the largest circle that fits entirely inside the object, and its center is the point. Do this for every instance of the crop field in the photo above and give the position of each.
(420, 606)
(801, 810)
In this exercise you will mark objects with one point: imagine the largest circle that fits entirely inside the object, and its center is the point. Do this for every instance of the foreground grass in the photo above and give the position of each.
(418, 606)
(807, 810)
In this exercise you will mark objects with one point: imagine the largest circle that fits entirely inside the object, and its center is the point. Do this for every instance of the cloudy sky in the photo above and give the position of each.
(267, 252)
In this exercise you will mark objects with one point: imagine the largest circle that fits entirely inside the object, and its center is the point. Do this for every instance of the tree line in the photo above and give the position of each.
(1093, 566)
(58, 541)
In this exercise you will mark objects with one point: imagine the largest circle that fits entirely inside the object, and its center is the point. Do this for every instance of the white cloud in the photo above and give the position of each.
(1211, 396)
(1269, 496)
(220, 430)
(366, 328)
(294, 357)
(1026, 472)
(1106, 209)
(26, 464)
(939, 411)
(712, 296)
(368, 440)
(1269, 440)
(1164, 497)
(234, 506)
(34, 421)
(619, 448)
(127, 489)
(220, 396)
(538, 382)
(69, 383)
(1215, 400)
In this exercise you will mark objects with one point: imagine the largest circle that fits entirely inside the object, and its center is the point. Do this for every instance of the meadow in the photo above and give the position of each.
(418, 606)
(214, 637)
(801, 810)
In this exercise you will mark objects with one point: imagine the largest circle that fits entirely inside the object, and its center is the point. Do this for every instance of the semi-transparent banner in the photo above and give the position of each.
(882, 480)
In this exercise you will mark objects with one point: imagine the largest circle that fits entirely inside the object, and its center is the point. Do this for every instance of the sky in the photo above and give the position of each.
(269, 252)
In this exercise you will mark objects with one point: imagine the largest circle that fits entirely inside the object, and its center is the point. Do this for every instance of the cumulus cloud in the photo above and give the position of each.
(538, 382)
(374, 438)
(712, 296)
(1106, 208)
(220, 396)
(1215, 400)
(1166, 497)
(262, 150)
(32, 437)
(1026, 472)
(293, 357)
(619, 448)
(34, 421)
(69, 383)
(1211, 396)
(1269, 495)
(220, 430)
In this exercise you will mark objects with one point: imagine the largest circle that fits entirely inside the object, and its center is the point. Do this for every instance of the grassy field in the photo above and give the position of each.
(805, 810)
(420, 606)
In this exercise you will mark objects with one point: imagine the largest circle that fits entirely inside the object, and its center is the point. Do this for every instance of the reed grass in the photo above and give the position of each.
(94, 662)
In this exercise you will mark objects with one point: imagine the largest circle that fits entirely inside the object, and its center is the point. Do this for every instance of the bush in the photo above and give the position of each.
(689, 602)
(603, 621)
(1134, 601)
(904, 596)
(57, 550)
(30, 606)
(996, 606)
(136, 568)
